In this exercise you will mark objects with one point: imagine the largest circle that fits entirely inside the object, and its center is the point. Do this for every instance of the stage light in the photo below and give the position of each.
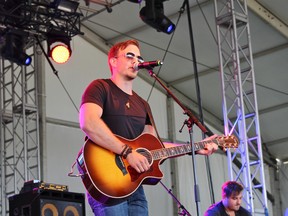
(59, 48)
(66, 5)
(13, 48)
(153, 14)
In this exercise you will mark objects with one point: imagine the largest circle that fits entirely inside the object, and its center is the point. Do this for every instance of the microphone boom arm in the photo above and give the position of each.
(192, 118)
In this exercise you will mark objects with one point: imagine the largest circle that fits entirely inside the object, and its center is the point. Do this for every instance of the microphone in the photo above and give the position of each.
(147, 65)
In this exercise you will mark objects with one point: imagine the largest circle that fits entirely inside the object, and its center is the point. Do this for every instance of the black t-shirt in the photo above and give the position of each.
(218, 209)
(126, 115)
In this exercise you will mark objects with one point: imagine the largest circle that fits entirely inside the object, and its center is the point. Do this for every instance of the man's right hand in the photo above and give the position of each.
(138, 161)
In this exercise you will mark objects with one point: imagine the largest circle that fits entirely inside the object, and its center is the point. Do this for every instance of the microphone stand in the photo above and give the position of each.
(180, 206)
(192, 120)
(186, 2)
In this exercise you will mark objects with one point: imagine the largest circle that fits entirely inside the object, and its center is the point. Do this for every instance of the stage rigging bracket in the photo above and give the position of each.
(38, 18)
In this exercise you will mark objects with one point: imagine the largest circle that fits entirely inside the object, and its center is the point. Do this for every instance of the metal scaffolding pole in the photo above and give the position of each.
(20, 160)
(19, 134)
(240, 109)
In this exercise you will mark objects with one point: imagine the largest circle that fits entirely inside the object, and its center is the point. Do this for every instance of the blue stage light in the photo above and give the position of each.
(13, 49)
(153, 14)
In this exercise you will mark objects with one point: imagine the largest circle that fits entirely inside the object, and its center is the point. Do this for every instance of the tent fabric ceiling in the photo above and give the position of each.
(268, 21)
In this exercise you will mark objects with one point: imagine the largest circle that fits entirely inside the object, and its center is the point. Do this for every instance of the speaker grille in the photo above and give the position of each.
(47, 203)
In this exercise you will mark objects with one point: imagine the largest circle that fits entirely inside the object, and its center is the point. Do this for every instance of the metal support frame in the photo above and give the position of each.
(240, 109)
(20, 157)
(39, 17)
(19, 133)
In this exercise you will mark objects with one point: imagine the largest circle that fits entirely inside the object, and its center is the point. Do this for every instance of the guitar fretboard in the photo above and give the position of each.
(178, 150)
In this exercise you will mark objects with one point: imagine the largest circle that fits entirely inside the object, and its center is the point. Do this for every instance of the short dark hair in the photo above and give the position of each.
(230, 188)
(120, 46)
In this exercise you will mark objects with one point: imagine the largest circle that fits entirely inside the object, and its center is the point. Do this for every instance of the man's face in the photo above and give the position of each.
(233, 203)
(125, 61)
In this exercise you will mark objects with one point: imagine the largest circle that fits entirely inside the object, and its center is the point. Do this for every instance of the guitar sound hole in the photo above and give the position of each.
(146, 154)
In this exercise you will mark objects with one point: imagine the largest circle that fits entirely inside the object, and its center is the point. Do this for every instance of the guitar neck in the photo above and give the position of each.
(179, 150)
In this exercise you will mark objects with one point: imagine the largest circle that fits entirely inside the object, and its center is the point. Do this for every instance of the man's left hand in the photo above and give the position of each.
(210, 148)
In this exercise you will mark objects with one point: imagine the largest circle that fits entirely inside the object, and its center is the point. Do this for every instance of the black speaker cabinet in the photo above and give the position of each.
(47, 203)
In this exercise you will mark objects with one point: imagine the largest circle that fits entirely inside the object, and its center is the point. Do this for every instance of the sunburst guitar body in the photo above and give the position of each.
(109, 178)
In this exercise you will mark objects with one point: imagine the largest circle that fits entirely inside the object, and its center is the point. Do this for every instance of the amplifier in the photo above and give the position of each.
(36, 184)
(41, 202)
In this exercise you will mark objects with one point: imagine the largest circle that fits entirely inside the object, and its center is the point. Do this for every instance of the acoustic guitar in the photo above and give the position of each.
(108, 177)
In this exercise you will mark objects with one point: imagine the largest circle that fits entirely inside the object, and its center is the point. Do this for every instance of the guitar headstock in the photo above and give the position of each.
(229, 141)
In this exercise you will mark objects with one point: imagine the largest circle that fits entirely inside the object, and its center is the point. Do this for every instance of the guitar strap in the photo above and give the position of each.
(152, 119)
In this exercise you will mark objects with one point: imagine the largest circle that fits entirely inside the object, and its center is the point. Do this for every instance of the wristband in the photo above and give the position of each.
(124, 149)
(127, 150)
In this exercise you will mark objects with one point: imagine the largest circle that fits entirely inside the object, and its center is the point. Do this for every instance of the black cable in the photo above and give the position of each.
(55, 72)
(200, 110)
(166, 51)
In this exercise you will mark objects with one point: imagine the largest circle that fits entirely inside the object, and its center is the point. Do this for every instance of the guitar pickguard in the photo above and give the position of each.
(120, 164)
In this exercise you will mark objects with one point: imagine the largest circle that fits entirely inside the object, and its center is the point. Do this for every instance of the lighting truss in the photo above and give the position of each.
(38, 17)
